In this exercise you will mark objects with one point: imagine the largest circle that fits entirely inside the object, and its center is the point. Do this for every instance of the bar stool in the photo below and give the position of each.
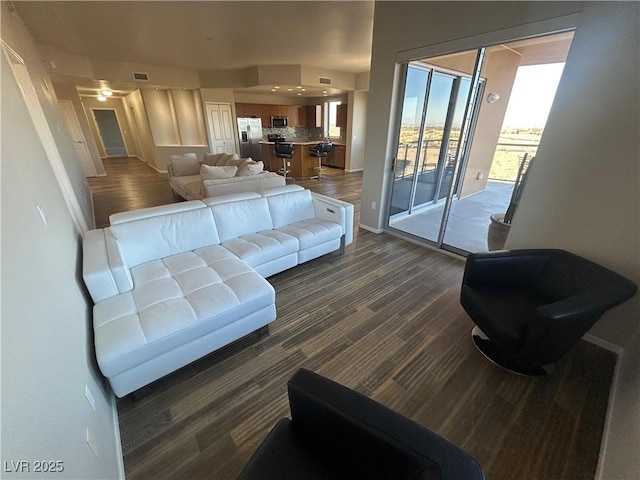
(320, 151)
(284, 151)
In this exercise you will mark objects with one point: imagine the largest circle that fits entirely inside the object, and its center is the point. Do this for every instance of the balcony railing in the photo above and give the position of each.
(507, 158)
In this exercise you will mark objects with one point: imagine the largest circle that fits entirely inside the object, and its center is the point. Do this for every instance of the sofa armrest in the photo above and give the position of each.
(117, 264)
(337, 211)
(318, 405)
(96, 272)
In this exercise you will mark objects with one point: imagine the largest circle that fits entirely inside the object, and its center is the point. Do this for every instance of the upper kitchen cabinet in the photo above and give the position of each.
(255, 110)
(313, 115)
(341, 115)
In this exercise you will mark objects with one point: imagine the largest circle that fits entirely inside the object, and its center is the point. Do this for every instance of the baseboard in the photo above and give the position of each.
(370, 229)
(116, 426)
(612, 347)
(348, 170)
(604, 445)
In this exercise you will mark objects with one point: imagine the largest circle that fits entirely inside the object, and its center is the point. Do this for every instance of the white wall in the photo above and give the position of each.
(583, 192)
(47, 348)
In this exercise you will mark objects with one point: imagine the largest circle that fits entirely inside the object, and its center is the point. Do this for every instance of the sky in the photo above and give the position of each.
(532, 95)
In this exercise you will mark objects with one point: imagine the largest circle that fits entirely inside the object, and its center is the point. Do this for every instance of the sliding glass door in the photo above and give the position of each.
(429, 149)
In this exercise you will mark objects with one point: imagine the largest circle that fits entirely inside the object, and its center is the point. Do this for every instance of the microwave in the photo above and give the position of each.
(278, 121)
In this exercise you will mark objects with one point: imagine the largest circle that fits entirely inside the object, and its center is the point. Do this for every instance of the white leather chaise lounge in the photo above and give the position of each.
(173, 283)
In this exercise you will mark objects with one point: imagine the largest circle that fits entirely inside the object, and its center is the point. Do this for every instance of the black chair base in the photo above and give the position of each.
(499, 358)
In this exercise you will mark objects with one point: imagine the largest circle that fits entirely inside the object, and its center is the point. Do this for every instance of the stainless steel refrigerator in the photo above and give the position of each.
(250, 131)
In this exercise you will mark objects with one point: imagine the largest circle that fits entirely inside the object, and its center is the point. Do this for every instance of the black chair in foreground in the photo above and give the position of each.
(531, 306)
(336, 433)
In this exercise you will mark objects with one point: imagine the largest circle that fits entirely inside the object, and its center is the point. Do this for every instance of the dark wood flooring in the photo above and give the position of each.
(385, 320)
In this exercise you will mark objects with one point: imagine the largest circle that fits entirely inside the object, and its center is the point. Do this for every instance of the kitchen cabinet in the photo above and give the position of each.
(337, 157)
(313, 114)
(254, 110)
(341, 115)
(292, 116)
(271, 162)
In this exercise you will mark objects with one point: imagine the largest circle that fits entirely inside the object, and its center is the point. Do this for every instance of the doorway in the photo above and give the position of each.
(456, 159)
(77, 137)
(110, 132)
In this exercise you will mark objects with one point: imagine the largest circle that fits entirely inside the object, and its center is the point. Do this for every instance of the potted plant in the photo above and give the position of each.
(501, 222)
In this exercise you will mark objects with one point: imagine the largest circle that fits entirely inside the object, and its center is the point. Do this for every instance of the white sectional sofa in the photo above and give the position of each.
(173, 283)
(218, 174)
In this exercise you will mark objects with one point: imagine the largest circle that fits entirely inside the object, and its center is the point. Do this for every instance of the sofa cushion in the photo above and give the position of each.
(157, 232)
(312, 232)
(291, 207)
(249, 169)
(176, 300)
(242, 217)
(262, 247)
(208, 172)
(185, 164)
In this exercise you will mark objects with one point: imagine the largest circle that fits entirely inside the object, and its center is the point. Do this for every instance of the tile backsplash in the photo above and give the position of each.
(298, 133)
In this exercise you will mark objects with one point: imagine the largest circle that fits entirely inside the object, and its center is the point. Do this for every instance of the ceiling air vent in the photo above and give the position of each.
(141, 76)
(324, 81)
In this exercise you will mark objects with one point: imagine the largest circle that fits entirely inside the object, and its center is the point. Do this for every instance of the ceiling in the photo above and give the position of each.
(208, 35)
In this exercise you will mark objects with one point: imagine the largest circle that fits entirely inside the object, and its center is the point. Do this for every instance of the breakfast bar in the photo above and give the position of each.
(302, 165)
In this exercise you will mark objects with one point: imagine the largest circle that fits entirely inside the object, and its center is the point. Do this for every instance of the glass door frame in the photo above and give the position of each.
(467, 128)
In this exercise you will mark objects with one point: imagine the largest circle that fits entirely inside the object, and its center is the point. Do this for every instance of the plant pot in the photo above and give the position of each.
(498, 232)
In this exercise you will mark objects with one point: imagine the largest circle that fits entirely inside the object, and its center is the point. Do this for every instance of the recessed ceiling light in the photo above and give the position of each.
(106, 92)
(303, 90)
(289, 89)
(298, 94)
(298, 87)
(273, 90)
(102, 98)
(324, 91)
(276, 86)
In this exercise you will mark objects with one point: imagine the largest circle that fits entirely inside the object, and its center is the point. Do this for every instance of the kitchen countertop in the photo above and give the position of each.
(303, 142)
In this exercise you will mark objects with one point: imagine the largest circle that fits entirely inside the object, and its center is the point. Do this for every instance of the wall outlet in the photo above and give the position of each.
(479, 176)
(91, 443)
(89, 396)
(373, 205)
(288, 164)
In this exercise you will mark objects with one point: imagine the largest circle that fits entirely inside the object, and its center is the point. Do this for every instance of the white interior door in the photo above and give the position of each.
(220, 127)
(79, 141)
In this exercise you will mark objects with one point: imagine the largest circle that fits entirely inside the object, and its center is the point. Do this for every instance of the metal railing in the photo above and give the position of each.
(507, 158)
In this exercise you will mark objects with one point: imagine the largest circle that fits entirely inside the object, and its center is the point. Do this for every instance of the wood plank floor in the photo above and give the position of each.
(385, 320)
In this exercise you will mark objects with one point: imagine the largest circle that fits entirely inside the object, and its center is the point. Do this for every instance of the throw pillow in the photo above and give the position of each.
(211, 173)
(251, 169)
(185, 164)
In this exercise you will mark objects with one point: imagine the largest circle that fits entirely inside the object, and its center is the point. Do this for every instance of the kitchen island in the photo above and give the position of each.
(302, 165)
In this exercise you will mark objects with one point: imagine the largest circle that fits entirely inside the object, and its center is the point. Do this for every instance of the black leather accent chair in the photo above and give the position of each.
(336, 433)
(531, 306)
(284, 151)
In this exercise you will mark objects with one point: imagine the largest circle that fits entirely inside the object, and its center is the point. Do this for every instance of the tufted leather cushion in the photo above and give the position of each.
(175, 300)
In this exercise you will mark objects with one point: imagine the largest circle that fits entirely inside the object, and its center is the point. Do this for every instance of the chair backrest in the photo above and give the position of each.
(284, 150)
(323, 147)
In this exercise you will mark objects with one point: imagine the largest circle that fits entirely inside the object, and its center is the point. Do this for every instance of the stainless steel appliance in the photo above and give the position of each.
(279, 121)
(250, 132)
(275, 137)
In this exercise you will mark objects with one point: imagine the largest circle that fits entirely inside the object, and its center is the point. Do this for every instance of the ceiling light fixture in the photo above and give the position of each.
(102, 98)
(298, 94)
(106, 92)
(276, 86)
(289, 89)
(273, 90)
(298, 87)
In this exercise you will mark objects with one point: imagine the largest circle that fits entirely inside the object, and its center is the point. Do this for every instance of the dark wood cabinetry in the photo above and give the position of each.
(313, 115)
(341, 115)
(297, 115)
(337, 157)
